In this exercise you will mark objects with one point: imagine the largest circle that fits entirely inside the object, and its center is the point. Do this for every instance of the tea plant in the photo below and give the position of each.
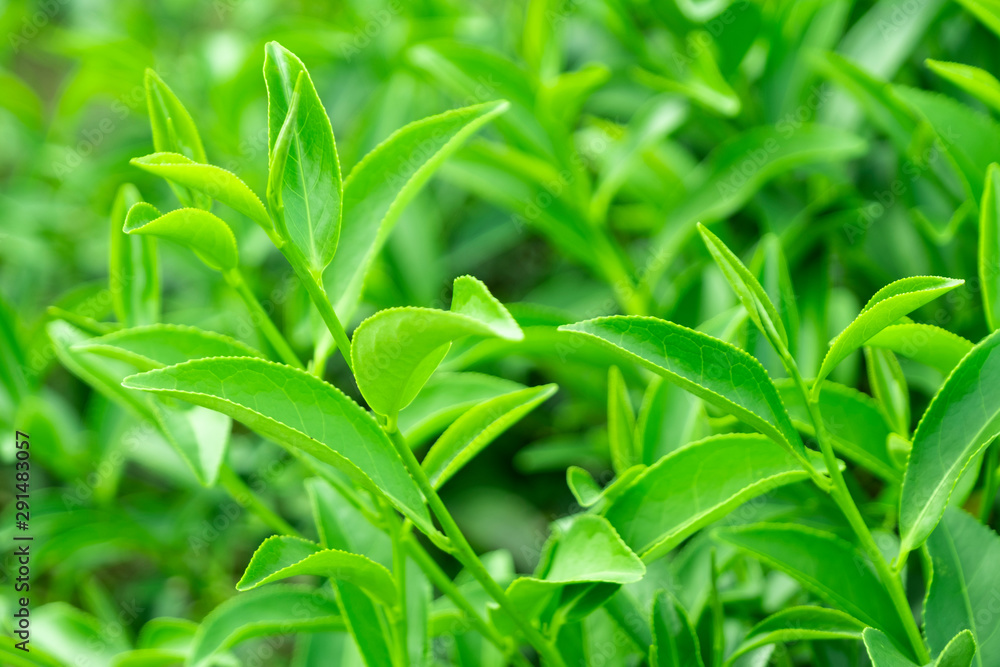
(741, 493)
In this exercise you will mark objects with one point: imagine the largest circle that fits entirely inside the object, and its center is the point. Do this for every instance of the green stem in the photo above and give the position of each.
(261, 319)
(242, 494)
(313, 282)
(399, 620)
(449, 589)
(842, 496)
(991, 460)
(465, 553)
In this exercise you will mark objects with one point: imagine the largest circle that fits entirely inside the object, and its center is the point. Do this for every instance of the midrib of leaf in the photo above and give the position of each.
(305, 188)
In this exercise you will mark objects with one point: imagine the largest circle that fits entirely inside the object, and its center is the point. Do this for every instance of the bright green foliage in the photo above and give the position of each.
(159, 345)
(800, 624)
(675, 643)
(209, 237)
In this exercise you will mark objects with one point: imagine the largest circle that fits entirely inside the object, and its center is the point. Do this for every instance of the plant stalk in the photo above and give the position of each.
(467, 556)
(313, 282)
(842, 496)
(262, 320)
(399, 573)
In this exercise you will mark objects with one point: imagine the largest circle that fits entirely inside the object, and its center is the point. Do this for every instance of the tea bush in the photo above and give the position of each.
(482, 333)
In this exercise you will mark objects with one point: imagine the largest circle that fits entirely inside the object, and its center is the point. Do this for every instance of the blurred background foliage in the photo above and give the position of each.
(630, 121)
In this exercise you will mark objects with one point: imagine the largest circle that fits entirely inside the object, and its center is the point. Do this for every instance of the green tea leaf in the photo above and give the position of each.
(697, 485)
(397, 349)
(771, 269)
(159, 345)
(884, 308)
(883, 652)
(281, 556)
(311, 192)
(709, 368)
(133, 270)
(831, 568)
(961, 420)
(977, 82)
(960, 651)
(753, 297)
(174, 131)
(989, 247)
(621, 423)
(477, 428)
(212, 181)
(963, 589)
(888, 385)
(589, 493)
(209, 237)
(675, 643)
(799, 624)
(270, 611)
(926, 343)
(295, 409)
(987, 11)
(385, 181)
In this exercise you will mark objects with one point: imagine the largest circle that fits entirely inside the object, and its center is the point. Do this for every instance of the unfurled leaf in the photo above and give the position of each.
(977, 82)
(883, 652)
(133, 271)
(835, 570)
(884, 308)
(174, 131)
(799, 624)
(705, 366)
(888, 385)
(477, 428)
(295, 409)
(675, 643)
(397, 349)
(926, 343)
(159, 345)
(384, 182)
(989, 247)
(697, 485)
(621, 423)
(987, 11)
(961, 420)
(270, 611)
(851, 419)
(214, 182)
(962, 594)
(311, 191)
(750, 293)
(588, 492)
(209, 237)
(282, 556)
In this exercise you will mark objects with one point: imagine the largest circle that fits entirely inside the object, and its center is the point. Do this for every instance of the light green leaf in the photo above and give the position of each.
(174, 131)
(212, 181)
(888, 385)
(831, 568)
(276, 610)
(989, 247)
(883, 652)
(771, 269)
(962, 594)
(697, 485)
(960, 651)
(159, 345)
(799, 624)
(589, 493)
(675, 643)
(621, 423)
(852, 420)
(311, 189)
(397, 349)
(477, 428)
(385, 181)
(987, 11)
(282, 556)
(926, 343)
(209, 237)
(890, 303)
(295, 409)
(133, 270)
(445, 398)
(750, 293)
(977, 82)
(711, 369)
(961, 420)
